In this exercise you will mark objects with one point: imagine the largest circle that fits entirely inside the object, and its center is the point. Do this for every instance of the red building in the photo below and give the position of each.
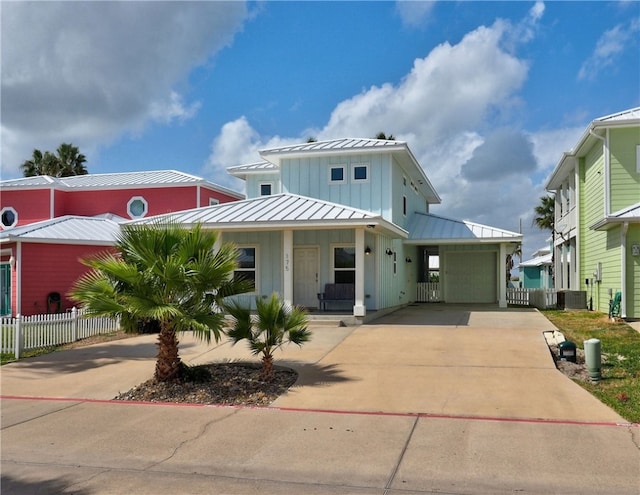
(48, 224)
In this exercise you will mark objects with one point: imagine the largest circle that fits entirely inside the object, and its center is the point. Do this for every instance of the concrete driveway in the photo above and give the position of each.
(428, 399)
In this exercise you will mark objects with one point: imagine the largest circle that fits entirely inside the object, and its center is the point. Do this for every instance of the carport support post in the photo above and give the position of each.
(287, 266)
(502, 277)
(359, 309)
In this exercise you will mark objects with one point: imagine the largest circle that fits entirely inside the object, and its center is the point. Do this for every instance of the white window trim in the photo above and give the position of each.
(15, 217)
(353, 172)
(344, 173)
(271, 188)
(144, 202)
(638, 158)
(333, 260)
(256, 249)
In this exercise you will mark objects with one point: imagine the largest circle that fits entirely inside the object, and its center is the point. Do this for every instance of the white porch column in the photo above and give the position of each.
(502, 276)
(287, 266)
(359, 308)
(623, 271)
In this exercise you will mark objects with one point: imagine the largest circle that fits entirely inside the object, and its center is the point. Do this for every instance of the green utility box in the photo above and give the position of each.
(567, 351)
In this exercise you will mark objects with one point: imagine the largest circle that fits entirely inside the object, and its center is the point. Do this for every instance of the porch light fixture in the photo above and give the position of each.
(408, 260)
(367, 250)
(12, 261)
(389, 252)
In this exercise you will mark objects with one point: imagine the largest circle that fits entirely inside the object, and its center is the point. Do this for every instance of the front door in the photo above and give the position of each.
(5, 289)
(305, 277)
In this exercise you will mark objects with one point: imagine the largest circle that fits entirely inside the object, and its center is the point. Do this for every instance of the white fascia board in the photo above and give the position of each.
(495, 240)
(41, 240)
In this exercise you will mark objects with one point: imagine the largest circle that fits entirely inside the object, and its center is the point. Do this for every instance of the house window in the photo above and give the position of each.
(137, 207)
(8, 217)
(265, 189)
(213, 201)
(404, 205)
(344, 265)
(360, 172)
(246, 269)
(336, 174)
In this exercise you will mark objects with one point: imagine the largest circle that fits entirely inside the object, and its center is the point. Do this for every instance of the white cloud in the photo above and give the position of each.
(414, 13)
(608, 47)
(85, 72)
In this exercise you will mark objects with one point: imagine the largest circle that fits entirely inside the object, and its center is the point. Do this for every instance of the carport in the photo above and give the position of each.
(460, 261)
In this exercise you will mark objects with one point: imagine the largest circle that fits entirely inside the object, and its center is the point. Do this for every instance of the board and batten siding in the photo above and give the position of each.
(625, 177)
(309, 176)
(254, 180)
(404, 187)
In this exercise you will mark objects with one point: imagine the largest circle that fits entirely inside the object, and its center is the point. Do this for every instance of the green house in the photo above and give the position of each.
(597, 213)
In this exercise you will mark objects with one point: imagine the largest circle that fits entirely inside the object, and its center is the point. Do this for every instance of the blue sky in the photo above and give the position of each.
(487, 94)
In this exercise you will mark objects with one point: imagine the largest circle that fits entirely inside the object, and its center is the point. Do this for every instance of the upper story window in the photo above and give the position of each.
(213, 201)
(137, 207)
(336, 174)
(360, 172)
(404, 205)
(8, 217)
(265, 189)
(247, 265)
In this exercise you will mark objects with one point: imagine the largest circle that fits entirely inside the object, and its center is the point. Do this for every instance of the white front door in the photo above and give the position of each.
(305, 277)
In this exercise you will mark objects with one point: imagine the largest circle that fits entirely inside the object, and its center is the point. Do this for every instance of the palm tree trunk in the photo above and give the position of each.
(267, 368)
(168, 365)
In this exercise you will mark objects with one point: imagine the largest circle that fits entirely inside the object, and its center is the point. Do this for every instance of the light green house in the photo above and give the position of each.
(597, 213)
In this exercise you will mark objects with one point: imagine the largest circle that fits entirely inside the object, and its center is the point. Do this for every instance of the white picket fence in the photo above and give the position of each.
(538, 298)
(24, 333)
(428, 292)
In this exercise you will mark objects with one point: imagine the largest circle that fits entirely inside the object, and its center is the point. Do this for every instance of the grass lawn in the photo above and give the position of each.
(619, 387)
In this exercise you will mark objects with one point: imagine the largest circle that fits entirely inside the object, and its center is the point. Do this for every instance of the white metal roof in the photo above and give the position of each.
(537, 261)
(117, 180)
(69, 229)
(241, 171)
(426, 228)
(625, 118)
(275, 212)
(630, 214)
(344, 144)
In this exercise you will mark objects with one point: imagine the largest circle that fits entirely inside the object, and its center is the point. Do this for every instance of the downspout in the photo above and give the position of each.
(605, 155)
(198, 196)
(623, 269)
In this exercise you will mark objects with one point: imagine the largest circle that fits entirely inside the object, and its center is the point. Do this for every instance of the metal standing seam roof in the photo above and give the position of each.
(630, 214)
(242, 171)
(426, 227)
(66, 229)
(117, 180)
(537, 261)
(273, 212)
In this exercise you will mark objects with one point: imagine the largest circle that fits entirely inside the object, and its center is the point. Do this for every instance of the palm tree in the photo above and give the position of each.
(165, 273)
(71, 161)
(68, 161)
(40, 164)
(275, 324)
(545, 213)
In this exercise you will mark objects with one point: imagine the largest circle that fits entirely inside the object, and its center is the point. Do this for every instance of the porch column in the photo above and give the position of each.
(359, 308)
(287, 266)
(502, 276)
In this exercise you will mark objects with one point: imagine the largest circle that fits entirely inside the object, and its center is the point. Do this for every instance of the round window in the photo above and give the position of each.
(8, 217)
(137, 207)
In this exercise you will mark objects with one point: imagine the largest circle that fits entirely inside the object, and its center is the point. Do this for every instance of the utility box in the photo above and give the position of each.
(572, 299)
(567, 351)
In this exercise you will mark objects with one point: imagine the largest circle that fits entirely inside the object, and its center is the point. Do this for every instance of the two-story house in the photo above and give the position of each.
(48, 224)
(597, 213)
(353, 211)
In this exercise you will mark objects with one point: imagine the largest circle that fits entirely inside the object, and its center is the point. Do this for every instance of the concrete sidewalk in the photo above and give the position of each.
(428, 399)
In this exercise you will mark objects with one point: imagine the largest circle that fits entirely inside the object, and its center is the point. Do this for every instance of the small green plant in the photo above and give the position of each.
(274, 325)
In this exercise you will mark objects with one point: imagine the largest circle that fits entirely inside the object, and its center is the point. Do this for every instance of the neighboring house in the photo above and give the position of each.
(354, 211)
(597, 208)
(48, 224)
(536, 273)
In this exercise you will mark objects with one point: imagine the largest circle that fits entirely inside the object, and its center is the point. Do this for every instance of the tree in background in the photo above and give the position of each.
(545, 219)
(68, 162)
(165, 273)
(382, 135)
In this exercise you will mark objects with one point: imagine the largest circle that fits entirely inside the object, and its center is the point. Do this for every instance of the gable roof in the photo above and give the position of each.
(275, 213)
(398, 149)
(241, 171)
(626, 118)
(427, 227)
(69, 229)
(116, 180)
(537, 261)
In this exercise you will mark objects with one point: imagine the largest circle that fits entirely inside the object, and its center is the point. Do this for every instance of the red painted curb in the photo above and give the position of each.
(331, 411)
